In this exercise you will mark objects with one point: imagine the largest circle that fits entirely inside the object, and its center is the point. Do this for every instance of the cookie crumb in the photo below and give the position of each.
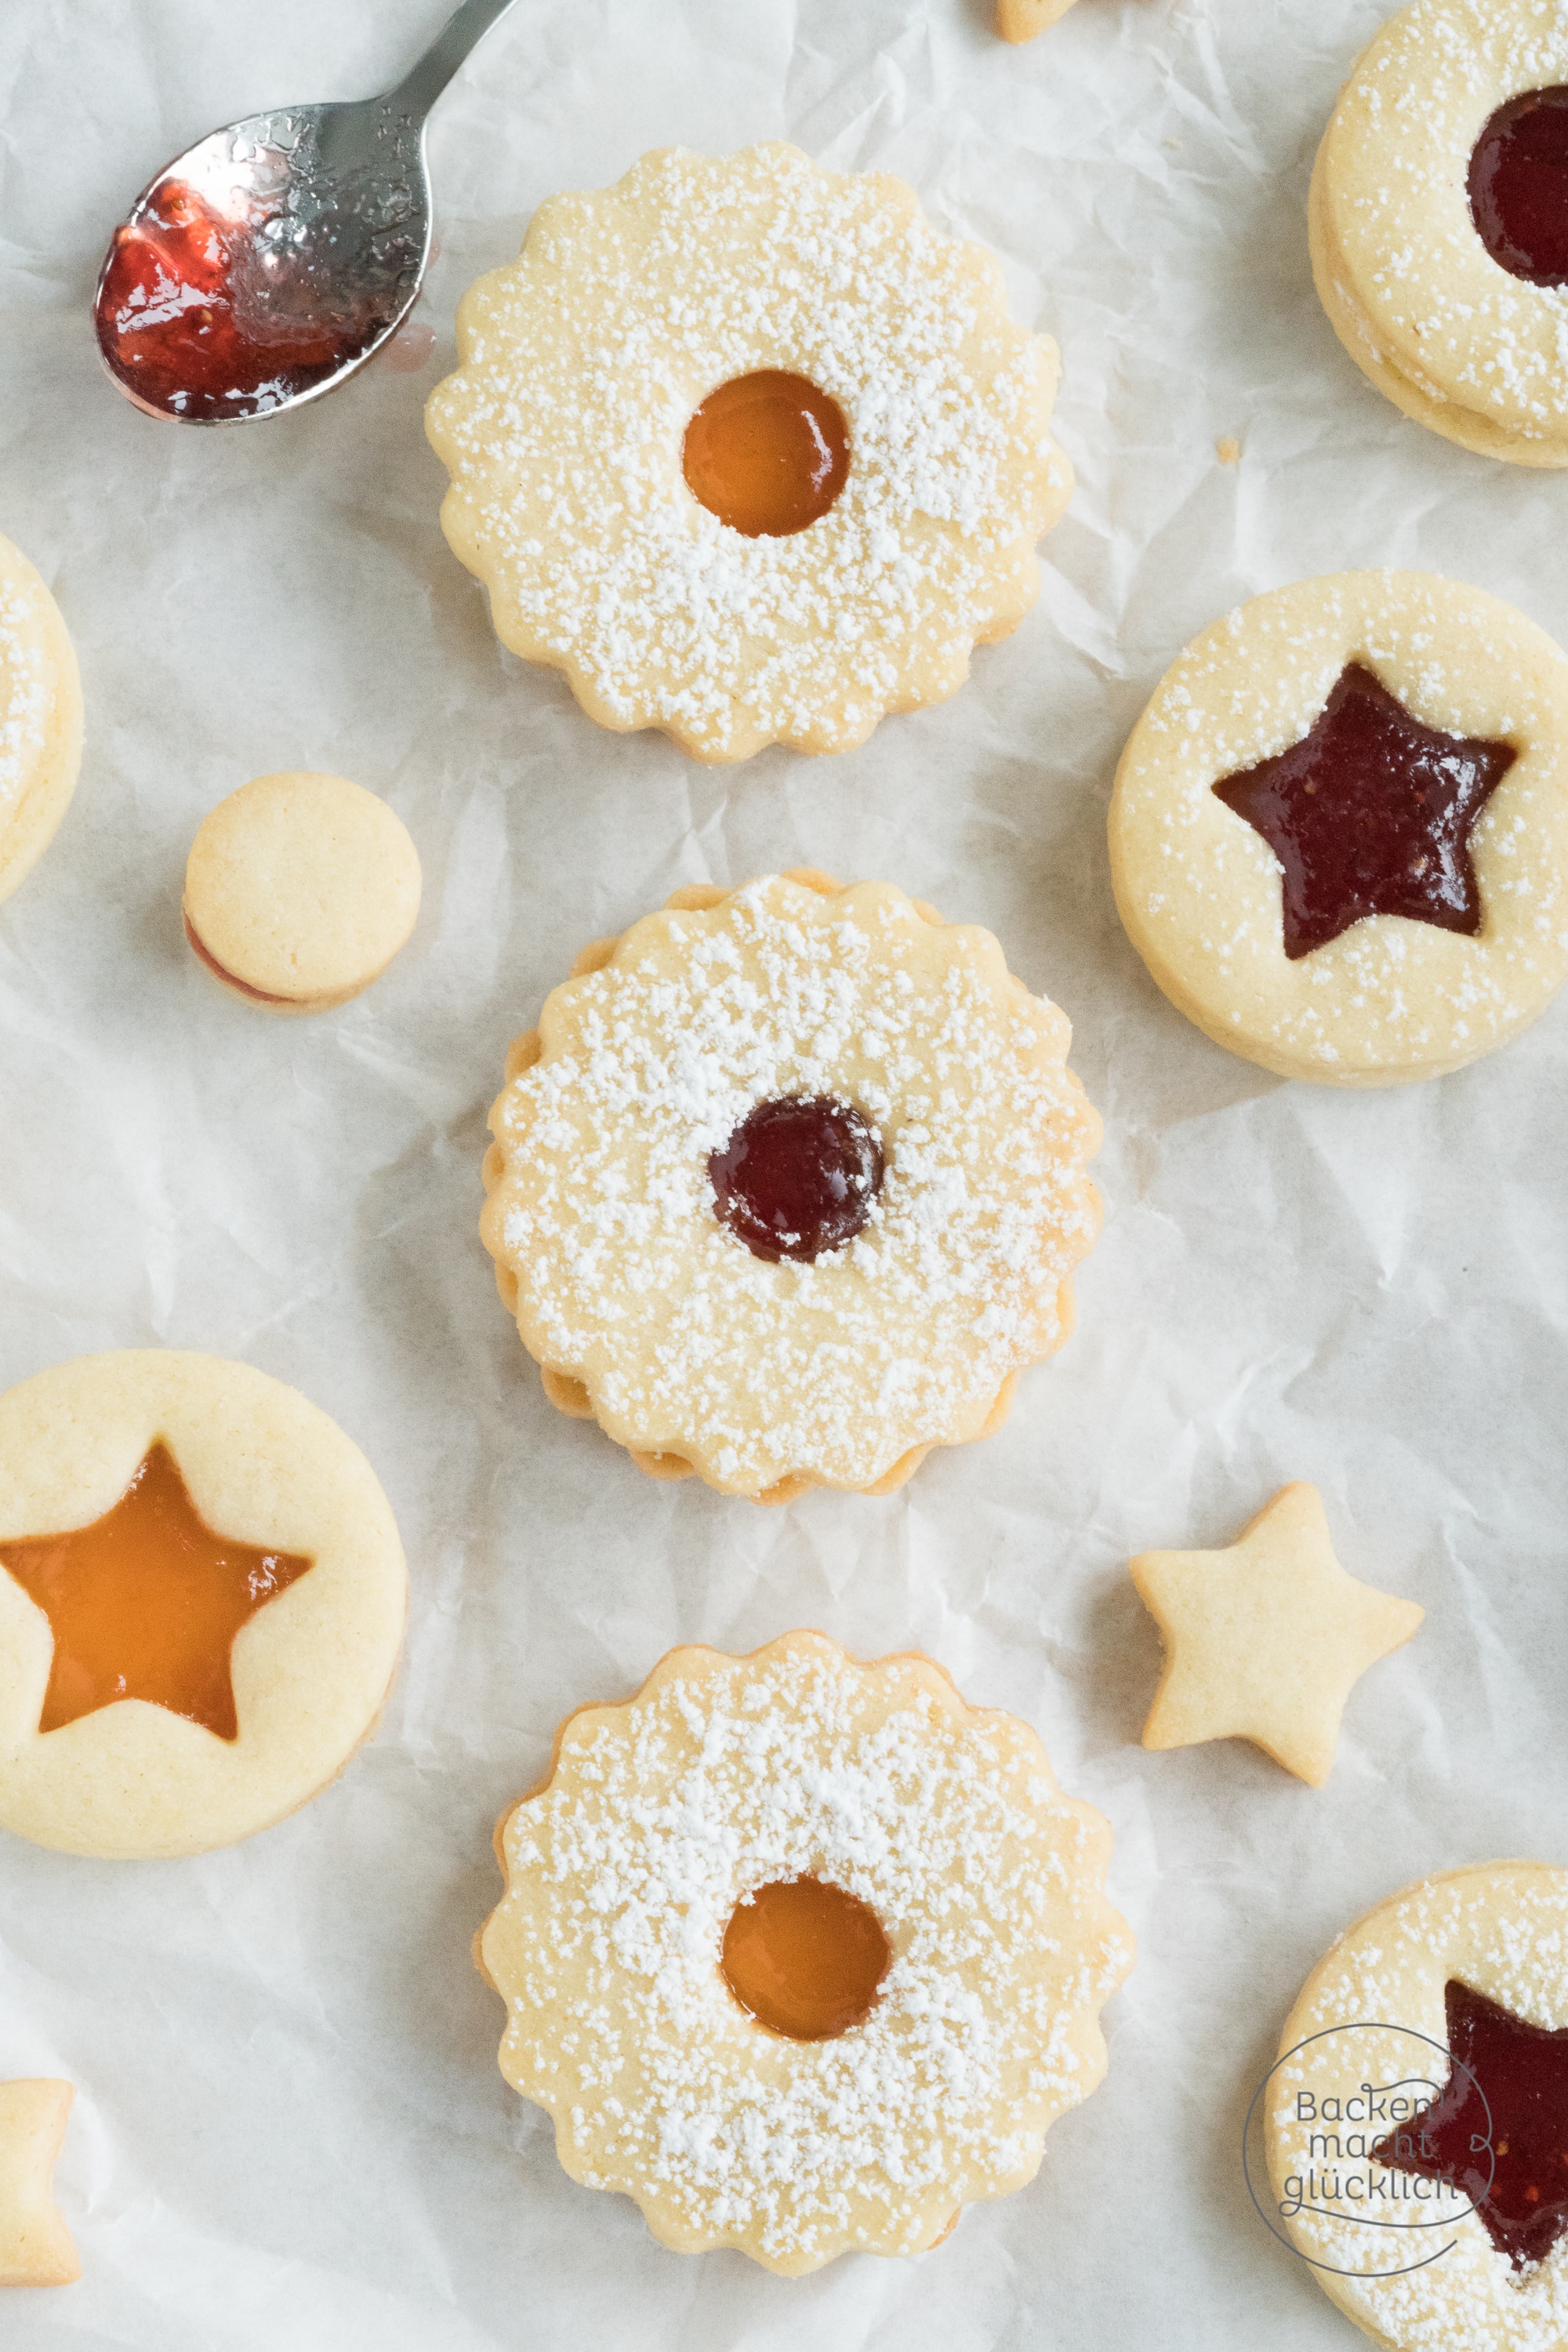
(1227, 449)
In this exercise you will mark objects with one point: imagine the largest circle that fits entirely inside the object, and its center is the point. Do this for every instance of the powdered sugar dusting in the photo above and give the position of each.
(583, 364)
(1502, 1929)
(689, 1344)
(723, 1775)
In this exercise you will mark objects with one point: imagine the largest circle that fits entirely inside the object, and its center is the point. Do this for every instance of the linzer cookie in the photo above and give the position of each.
(1416, 2119)
(1339, 836)
(40, 717)
(1440, 222)
(300, 889)
(788, 1185)
(202, 1596)
(749, 451)
(802, 1955)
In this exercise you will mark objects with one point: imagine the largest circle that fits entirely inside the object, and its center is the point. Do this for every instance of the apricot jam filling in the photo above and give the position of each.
(768, 454)
(805, 1958)
(146, 1602)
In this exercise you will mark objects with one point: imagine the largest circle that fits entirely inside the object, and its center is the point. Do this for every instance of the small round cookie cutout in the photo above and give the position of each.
(1415, 2116)
(1339, 836)
(1438, 220)
(201, 1600)
(788, 1185)
(749, 451)
(40, 717)
(300, 889)
(836, 1940)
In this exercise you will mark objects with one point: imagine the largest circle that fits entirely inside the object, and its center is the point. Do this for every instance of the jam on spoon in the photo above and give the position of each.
(268, 262)
(797, 1177)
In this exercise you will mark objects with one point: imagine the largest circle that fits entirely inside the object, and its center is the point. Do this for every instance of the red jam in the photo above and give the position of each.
(146, 1602)
(1505, 2145)
(199, 947)
(1519, 186)
(798, 1177)
(1370, 813)
(197, 317)
(805, 1959)
(768, 454)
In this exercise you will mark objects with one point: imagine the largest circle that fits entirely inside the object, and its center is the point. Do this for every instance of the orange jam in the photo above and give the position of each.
(768, 454)
(146, 1602)
(805, 1959)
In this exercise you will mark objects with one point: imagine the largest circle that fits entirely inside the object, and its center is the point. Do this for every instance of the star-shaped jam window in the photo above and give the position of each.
(1370, 814)
(146, 1602)
(1499, 2132)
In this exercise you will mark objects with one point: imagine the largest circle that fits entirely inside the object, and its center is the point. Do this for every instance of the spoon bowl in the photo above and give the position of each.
(270, 261)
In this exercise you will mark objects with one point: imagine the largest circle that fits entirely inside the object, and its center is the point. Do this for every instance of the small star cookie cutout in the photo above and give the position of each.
(1020, 20)
(1266, 1641)
(35, 2248)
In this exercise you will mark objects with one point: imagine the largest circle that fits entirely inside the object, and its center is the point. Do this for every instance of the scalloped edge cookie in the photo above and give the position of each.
(879, 1729)
(568, 499)
(563, 1383)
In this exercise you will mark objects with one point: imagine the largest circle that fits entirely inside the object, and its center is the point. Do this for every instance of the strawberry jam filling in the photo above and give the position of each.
(1498, 2133)
(1370, 813)
(798, 1177)
(1519, 186)
(230, 980)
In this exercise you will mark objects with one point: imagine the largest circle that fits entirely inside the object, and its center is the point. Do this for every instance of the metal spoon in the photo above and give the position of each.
(268, 263)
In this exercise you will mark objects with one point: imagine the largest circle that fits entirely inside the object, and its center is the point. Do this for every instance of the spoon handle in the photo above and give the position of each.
(420, 88)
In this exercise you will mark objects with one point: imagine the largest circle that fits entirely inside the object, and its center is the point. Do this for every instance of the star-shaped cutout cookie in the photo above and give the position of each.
(1370, 813)
(146, 1602)
(36, 2247)
(1020, 20)
(1265, 1641)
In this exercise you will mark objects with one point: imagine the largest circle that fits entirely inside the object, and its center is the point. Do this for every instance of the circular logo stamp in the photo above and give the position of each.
(1344, 2116)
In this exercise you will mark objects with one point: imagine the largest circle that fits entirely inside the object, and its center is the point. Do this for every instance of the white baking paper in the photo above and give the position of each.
(290, 2133)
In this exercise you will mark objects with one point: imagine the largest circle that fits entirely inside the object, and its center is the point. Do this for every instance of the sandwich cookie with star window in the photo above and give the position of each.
(201, 1600)
(1339, 836)
(1416, 2115)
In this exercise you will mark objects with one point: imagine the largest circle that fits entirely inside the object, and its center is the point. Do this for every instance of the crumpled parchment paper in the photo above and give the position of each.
(290, 2129)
